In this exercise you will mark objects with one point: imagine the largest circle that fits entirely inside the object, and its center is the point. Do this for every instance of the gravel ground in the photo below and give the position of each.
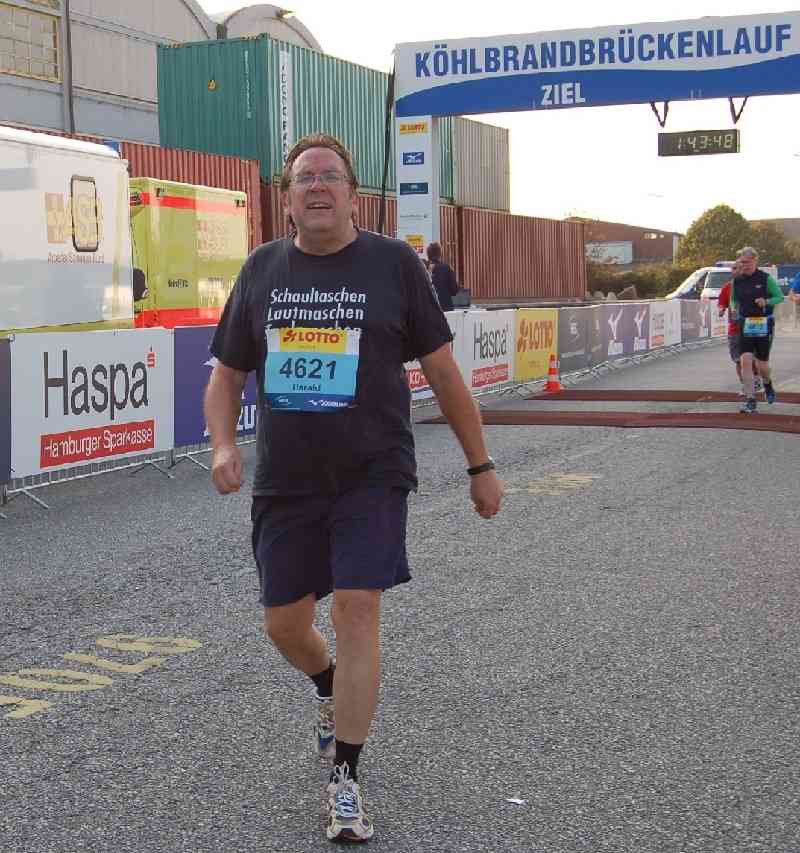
(618, 652)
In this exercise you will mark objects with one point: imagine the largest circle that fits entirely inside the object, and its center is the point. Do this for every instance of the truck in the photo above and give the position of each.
(65, 245)
(189, 243)
(83, 247)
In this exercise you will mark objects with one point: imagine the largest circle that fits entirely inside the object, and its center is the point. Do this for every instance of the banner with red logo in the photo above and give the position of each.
(420, 390)
(79, 398)
(486, 354)
(536, 341)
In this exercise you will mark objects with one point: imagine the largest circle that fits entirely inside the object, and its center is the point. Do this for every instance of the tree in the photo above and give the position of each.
(771, 244)
(716, 235)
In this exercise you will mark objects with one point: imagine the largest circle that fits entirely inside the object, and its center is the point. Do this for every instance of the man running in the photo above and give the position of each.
(753, 296)
(327, 319)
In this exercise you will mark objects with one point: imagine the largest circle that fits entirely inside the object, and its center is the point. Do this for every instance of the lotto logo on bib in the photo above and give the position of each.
(311, 370)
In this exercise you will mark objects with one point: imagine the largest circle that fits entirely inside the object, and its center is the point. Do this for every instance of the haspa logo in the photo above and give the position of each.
(535, 335)
(103, 389)
(491, 344)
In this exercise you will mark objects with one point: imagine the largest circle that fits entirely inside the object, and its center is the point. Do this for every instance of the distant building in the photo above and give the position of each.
(94, 71)
(627, 245)
(790, 228)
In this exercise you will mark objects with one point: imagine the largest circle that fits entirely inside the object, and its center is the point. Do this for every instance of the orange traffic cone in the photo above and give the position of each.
(553, 381)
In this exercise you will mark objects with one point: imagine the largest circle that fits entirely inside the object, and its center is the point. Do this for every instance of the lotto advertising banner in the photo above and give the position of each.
(420, 390)
(486, 356)
(665, 323)
(537, 340)
(5, 410)
(89, 397)
(193, 366)
(573, 338)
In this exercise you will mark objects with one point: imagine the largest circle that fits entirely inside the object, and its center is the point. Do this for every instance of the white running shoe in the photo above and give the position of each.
(325, 727)
(347, 820)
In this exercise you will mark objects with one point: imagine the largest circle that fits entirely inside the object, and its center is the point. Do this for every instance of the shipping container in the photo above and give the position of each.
(481, 175)
(507, 257)
(190, 167)
(255, 97)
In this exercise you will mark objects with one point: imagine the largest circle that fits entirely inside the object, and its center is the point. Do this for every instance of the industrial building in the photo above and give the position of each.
(627, 246)
(89, 66)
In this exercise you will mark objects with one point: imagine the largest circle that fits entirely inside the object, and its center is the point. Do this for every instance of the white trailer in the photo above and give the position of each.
(65, 246)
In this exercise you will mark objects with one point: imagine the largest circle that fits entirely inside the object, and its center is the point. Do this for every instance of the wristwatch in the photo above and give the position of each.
(479, 469)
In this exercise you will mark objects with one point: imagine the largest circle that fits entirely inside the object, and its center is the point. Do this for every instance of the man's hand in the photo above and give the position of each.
(226, 469)
(761, 302)
(486, 492)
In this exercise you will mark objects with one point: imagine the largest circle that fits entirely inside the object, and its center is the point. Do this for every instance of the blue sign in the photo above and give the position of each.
(413, 158)
(5, 410)
(671, 61)
(193, 366)
(417, 188)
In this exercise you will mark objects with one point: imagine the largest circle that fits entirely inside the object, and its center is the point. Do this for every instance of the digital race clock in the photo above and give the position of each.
(690, 142)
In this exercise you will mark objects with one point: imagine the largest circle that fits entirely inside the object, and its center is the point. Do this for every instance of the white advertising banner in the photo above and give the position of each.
(420, 390)
(89, 397)
(487, 352)
(665, 323)
(417, 181)
(719, 325)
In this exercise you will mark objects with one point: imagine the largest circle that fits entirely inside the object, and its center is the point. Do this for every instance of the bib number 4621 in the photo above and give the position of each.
(308, 368)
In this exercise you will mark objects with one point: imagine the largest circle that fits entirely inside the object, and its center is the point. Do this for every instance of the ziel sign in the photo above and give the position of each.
(631, 64)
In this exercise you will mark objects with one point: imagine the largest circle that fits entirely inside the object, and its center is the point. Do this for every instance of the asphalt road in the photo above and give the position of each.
(611, 664)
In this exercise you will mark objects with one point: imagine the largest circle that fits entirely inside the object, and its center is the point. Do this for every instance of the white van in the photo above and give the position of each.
(65, 246)
(707, 282)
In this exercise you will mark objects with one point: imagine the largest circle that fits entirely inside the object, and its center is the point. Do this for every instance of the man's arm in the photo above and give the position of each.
(463, 416)
(223, 402)
(774, 290)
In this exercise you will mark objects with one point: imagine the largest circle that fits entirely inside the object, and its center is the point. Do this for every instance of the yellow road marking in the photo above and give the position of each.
(86, 680)
(136, 643)
(113, 666)
(554, 484)
(27, 706)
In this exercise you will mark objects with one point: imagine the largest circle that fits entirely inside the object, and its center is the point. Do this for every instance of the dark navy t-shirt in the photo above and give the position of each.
(375, 284)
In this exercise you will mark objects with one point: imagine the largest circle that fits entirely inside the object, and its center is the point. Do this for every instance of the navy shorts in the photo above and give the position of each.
(318, 543)
(759, 347)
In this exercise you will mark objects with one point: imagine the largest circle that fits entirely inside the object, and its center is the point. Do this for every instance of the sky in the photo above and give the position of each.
(598, 162)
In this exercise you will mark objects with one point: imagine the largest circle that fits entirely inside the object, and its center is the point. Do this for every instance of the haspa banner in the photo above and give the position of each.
(486, 355)
(536, 341)
(193, 366)
(82, 397)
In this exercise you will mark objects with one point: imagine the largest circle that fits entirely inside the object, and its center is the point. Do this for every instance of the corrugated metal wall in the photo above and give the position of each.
(367, 212)
(508, 257)
(481, 174)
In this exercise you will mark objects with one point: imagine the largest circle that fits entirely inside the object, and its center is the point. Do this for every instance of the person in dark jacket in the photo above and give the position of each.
(442, 277)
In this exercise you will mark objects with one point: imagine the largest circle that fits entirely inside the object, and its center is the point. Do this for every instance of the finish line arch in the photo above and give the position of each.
(701, 59)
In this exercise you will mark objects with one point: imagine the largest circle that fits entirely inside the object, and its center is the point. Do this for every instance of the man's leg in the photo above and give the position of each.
(291, 629)
(356, 619)
(748, 383)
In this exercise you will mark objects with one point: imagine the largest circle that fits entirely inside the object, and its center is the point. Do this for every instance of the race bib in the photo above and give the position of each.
(756, 327)
(311, 370)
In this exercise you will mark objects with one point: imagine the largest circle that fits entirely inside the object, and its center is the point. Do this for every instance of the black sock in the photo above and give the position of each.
(324, 680)
(348, 752)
